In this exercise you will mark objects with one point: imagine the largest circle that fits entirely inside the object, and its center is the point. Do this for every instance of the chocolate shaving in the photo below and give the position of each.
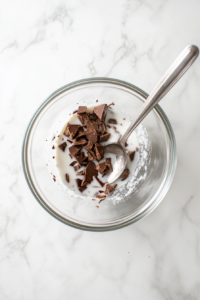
(73, 129)
(53, 147)
(99, 149)
(110, 188)
(101, 200)
(131, 155)
(74, 150)
(90, 172)
(100, 196)
(108, 163)
(100, 111)
(81, 188)
(112, 121)
(67, 177)
(111, 104)
(63, 146)
(104, 137)
(73, 163)
(88, 146)
(125, 174)
(81, 141)
(69, 141)
(100, 182)
(82, 109)
(109, 126)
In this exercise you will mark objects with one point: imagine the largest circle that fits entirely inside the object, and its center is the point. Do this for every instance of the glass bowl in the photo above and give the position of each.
(75, 212)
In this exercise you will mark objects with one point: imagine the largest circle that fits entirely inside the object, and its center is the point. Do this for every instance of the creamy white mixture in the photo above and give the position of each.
(63, 159)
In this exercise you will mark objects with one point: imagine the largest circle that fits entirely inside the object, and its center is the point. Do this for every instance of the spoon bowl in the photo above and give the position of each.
(182, 63)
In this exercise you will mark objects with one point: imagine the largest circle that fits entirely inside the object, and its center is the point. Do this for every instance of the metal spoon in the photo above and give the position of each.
(170, 78)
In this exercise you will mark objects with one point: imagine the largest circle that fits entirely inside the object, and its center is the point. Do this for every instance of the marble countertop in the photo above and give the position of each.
(45, 45)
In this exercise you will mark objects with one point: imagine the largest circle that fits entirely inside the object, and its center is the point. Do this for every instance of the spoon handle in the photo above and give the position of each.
(169, 79)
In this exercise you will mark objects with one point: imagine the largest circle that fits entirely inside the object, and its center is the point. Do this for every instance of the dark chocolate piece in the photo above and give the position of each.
(69, 141)
(100, 196)
(108, 163)
(103, 127)
(81, 133)
(80, 158)
(88, 146)
(85, 117)
(90, 171)
(63, 146)
(66, 132)
(111, 104)
(100, 182)
(81, 119)
(81, 188)
(91, 155)
(91, 135)
(125, 174)
(67, 177)
(76, 168)
(108, 126)
(110, 188)
(102, 167)
(74, 150)
(131, 155)
(81, 172)
(101, 200)
(73, 163)
(53, 147)
(100, 111)
(73, 129)
(104, 137)
(99, 149)
(81, 141)
(112, 121)
(82, 109)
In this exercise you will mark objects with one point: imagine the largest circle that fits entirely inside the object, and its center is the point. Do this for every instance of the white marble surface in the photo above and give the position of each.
(44, 45)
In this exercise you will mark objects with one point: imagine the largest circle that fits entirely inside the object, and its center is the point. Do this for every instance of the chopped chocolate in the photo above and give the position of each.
(91, 135)
(81, 119)
(53, 157)
(63, 146)
(131, 155)
(112, 121)
(54, 179)
(108, 163)
(81, 133)
(53, 147)
(53, 138)
(75, 111)
(74, 150)
(137, 149)
(91, 155)
(81, 141)
(100, 182)
(99, 149)
(85, 117)
(111, 104)
(110, 188)
(104, 137)
(82, 109)
(88, 146)
(67, 177)
(90, 171)
(102, 199)
(66, 132)
(125, 174)
(76, 168)
(93, 125)
(108, 126)
(106, 171)
(81, 172)
(80, 158)
(73, 163)
(69, 141)
(100, 191)
(103, 127)
(100, 196)
(100, 111)
(73, 129)
(81, 188)
(101, 167)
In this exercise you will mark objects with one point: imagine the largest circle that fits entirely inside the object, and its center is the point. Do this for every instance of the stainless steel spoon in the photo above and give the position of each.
(170, 78)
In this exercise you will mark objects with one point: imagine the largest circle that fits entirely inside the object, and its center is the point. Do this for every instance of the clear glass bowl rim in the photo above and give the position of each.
(159, 111)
